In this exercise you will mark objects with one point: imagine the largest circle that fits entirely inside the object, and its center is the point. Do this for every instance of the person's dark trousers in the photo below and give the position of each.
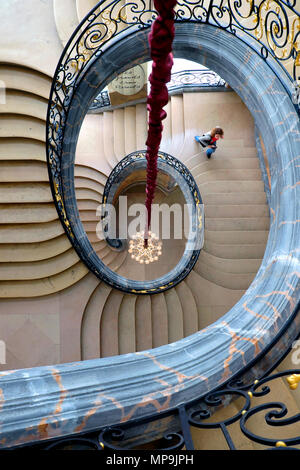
(210, 151)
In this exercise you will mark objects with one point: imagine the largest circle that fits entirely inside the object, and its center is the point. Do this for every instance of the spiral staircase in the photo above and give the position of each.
(53, 310)
(236, 211)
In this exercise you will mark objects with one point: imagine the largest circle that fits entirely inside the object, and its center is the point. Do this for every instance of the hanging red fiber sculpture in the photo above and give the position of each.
(160, 41)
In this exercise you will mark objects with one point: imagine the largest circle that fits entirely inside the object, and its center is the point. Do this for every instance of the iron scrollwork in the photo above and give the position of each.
(275, 416)
(195, 78)
(179, 80)
(110, 437)
(199, 414)
(101, 101)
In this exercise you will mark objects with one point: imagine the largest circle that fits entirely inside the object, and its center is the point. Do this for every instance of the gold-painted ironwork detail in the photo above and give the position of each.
(62, 208)
(293, 381)
(280, 444)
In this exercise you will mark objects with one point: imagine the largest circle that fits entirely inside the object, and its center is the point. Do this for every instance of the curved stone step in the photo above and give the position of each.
(127, 325)
(38, 269)
(90, 324)
(22, 149)
(27, 252)
(118, 261)
(238, 224)
(27, 213)
(23, 171)
(88, 215)
(25, 193)
(235, 251)
(235, 198)
(226, 164)
(30, 233)
(175, 316)
(88, 194)
(212, 300)
(160, 321)
(236, 211)
(145, 333)
(228, 280)
(110, 257)
(87, 205)
(90, 147)
(229, 265)
(18, 125)
(24, 103)
(88, 172)
(189, 309)
(234, 152)
(44, 286)
(237, 237)
(229, 186)
(87, 183)
(84, 194)
(95, 241)
(90, 227)
(109, 325)
(228, 175)
(25, 79)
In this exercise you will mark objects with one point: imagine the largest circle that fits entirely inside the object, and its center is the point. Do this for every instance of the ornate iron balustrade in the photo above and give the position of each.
(179, 81)
(101, 101)
(176, 425)
(195, 78)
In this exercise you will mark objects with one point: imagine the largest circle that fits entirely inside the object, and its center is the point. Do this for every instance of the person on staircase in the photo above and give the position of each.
(209, 140)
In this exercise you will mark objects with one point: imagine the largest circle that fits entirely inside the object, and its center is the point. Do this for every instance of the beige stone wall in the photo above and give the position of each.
(36, 258)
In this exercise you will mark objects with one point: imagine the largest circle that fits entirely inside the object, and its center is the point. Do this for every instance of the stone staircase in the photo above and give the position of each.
(236, 219)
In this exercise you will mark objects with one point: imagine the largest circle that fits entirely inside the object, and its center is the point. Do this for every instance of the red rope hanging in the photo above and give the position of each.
(160, 41)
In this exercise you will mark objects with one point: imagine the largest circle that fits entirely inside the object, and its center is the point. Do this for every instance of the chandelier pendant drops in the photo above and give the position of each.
(145, 254)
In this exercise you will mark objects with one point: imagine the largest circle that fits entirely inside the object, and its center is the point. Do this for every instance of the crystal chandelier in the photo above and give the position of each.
(145, 253)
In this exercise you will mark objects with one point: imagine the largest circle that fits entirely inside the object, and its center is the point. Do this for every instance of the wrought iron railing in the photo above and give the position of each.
(101, 101)
(195, 78)
(180, 81)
